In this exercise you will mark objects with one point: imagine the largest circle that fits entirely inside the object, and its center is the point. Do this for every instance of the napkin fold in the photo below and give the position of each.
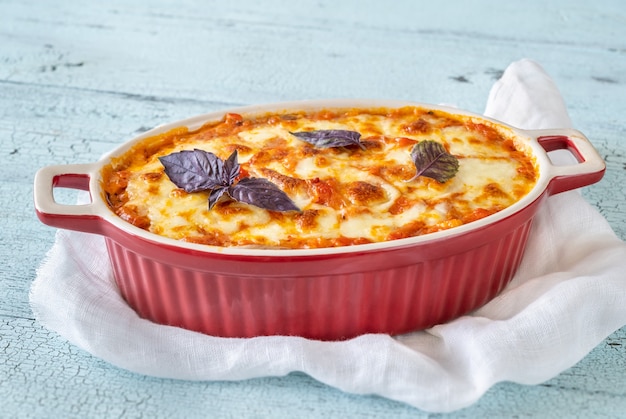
(568, 295)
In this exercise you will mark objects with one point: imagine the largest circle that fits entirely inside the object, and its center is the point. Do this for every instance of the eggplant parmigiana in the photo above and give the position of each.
(351, 176)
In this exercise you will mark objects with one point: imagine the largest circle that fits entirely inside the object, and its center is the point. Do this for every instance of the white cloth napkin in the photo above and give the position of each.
(568, 295)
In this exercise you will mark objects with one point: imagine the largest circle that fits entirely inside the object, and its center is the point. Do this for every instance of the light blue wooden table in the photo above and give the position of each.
(78, 78)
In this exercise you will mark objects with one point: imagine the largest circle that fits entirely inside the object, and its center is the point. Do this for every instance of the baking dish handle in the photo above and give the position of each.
(73, 217)
(590, 166)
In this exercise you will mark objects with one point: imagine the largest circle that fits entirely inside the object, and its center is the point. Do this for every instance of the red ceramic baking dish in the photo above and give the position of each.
(326, 293)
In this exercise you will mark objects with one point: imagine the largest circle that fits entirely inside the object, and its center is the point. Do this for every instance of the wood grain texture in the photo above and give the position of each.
(78, 78)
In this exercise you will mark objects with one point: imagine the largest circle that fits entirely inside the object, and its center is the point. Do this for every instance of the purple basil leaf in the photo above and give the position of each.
(231, 168)
(432, 160)
(261, 193)
(199, 170)
(215, 196)
(330, 138)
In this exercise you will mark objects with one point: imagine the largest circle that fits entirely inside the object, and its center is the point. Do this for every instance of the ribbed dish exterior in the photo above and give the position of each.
(320, 306)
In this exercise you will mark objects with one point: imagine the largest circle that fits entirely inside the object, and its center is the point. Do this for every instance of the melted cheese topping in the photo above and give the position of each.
(347, 195)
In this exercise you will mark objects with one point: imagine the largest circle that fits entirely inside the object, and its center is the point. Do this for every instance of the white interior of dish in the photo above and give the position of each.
(101, 208)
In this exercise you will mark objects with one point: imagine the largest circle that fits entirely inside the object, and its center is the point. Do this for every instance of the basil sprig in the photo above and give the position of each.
(199, 170)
